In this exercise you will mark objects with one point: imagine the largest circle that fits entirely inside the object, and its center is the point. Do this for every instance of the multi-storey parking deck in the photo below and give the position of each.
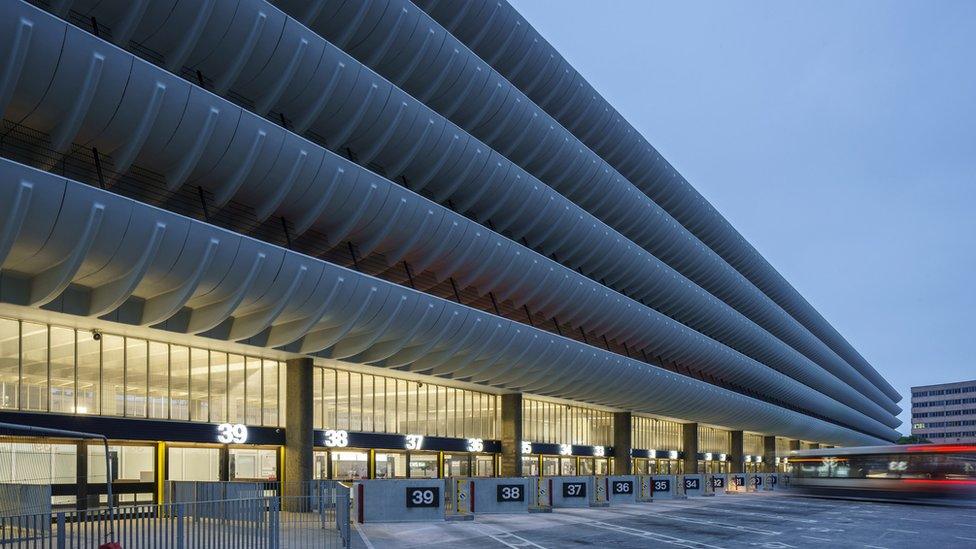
(372, 240)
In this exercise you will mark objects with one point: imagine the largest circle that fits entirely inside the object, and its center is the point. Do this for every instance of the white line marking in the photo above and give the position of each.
(818, 539)
(902, 531)
(651, 535)
(876, 547)
(966, 524)
(362, 536)
(501, 535)
(913, 520)
(965, 538)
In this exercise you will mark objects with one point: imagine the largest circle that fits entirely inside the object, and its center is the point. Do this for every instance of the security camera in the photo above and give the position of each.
(96, 335)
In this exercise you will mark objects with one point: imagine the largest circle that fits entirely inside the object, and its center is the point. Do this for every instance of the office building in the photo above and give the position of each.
(945, 413)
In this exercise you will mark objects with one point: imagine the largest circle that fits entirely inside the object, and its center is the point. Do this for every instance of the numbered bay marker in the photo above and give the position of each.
(228, 433)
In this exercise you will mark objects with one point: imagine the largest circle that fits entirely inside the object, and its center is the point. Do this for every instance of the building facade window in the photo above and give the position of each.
(553, 423)
(63, 370)
(649, 433)
(355, 401)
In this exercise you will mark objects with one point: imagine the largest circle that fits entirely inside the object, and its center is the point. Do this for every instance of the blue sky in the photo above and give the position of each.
(838, 137)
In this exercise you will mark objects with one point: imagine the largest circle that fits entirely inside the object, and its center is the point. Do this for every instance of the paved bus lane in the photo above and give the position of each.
(770, 521)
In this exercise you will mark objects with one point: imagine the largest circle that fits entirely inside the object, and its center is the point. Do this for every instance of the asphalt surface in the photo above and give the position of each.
(768, 520)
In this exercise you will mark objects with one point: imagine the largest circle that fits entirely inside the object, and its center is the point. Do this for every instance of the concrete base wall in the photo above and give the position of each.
(386, 500)
(623, 489)
(495, 495)
(571, 497)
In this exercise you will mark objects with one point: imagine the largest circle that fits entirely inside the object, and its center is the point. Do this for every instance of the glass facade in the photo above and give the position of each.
(46, 368)
(752, 444)
(553, 423)
(648, 433)
(365, 402)
(714, 440)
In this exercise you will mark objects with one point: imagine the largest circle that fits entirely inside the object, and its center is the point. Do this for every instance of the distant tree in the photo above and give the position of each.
(913, 439)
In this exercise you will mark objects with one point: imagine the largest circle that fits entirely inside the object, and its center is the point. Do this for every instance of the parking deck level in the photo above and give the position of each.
(770, 520)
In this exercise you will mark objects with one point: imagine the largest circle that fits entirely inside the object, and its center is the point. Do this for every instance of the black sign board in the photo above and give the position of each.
(510, 492)
(574, 489)
(772, 480)
(423, 497)
(692, 484)
(661, 485)
(739, 481)
(757, 480)
(718, 482)
(622, 487)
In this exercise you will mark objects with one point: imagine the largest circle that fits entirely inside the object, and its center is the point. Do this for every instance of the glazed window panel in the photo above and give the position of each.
(88, 388)
(157, 401)
(9, 364)
(253, 392)
(199, 385)
(368, 408)
(342, 400)
(236, 383)
(269, 404)
(113, 375)
(62, 384)
(179, 382)
(218, 387)
(33, 383)
(136, 376)
(318, 414)
(355, 402)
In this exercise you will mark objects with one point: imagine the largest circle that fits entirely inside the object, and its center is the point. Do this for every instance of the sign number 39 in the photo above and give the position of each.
(228, 433)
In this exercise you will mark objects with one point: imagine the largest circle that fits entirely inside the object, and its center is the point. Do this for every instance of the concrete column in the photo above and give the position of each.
(622, 443)
(737, 452)
(769, 454)
(224, 463)
(511, 459)
(689, 437)
(81, 477)
(298, 426)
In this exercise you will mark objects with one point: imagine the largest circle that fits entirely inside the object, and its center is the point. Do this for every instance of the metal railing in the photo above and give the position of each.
(319, 519)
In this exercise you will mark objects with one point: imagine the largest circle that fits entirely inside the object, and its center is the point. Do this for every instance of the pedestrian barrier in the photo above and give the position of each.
(645, 491)
(388, 500)
(502, 495)
(572, 491)
(622, 489)
(696, 485)
(666, 487)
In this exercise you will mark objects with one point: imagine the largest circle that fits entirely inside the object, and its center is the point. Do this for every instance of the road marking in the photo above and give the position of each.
(902, 531)
(818, 539)
(503, 537)
(913, 520)
(876, 547)
(362, 536)
(764, 515)
(651, 535)
(965, 538)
